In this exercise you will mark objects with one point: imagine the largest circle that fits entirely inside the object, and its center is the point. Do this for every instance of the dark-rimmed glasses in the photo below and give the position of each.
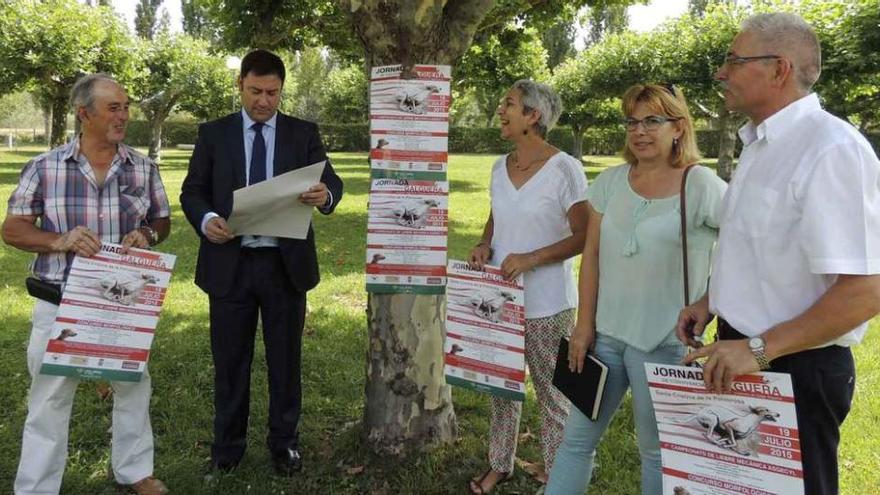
(737, 60)
(650, 123)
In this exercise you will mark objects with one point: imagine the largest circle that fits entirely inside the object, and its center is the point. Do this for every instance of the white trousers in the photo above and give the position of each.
(44, 442)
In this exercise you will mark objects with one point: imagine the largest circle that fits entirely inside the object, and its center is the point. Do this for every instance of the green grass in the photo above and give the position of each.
(333, 372)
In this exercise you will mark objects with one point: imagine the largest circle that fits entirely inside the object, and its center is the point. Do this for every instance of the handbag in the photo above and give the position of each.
(684, 237)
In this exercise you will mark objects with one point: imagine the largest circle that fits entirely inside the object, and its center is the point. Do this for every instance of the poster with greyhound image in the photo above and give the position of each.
(742, 442)
(409, 121)
(485, 331)
(108, 314)
(406, 236)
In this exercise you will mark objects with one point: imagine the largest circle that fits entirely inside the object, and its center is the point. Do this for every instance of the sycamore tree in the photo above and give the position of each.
(46, 46)
(591, 84)
(488, 69)
(343, 99)
(693, 48)
(849, 32)
(178, 72)
(408, 405)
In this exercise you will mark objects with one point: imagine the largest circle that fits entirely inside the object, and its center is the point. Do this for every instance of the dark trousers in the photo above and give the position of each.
(261, 285)
(824, 381)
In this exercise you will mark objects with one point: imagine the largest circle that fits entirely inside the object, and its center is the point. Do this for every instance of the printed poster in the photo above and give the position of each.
(406, 236)
(108, 314)
(743, 442)
(485, 331)
(409, 121)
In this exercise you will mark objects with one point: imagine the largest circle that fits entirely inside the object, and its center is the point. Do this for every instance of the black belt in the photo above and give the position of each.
(727, 332)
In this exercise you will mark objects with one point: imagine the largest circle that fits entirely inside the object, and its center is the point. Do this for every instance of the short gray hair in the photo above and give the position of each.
(794, 38)
(540, 97)
(83, 92)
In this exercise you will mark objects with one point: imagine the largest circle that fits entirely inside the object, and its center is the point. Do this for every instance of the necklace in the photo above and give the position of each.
(529, 165)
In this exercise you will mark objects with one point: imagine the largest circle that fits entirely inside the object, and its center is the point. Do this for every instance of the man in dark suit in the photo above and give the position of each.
(249, 275)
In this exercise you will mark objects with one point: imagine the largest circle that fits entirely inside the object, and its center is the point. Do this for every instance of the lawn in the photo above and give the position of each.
(333, 372)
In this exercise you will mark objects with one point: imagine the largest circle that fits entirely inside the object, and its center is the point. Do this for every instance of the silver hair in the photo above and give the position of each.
(83, 92)
(796, 39)
(540, 97)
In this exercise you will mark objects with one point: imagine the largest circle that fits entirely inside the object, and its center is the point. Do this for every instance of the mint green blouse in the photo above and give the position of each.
(640, 265)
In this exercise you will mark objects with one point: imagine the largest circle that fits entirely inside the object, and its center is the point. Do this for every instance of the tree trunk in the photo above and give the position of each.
(47, 123)
(727, 124)
(155, 139)
(577, 142)
(408, 405)
(59, 120)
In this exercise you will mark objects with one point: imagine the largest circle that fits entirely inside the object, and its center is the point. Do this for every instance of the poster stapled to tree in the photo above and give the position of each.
(484, 348)
(108, 314)
(408, 208)
(406, 236)
(409, 121)
(742, 442)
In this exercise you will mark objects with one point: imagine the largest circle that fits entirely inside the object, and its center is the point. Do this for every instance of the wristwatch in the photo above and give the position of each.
(151, 234)
(756, 345)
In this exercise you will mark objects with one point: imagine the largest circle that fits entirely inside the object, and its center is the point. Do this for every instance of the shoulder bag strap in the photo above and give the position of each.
(684, 238)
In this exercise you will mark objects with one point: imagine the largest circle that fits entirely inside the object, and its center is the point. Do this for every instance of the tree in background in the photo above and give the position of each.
(47, 46)
(558, 41)
(343, 99)
(490, 68)
(149, 20)
(307, 77)
(177, 71)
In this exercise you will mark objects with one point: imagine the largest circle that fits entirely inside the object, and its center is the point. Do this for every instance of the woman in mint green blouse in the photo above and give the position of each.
(631, 274)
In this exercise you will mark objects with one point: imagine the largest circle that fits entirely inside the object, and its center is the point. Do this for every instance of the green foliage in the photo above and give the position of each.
(46, 46)
(173, 133)
(146, 19)
(343, 97)
(492, 66)
(307, 75)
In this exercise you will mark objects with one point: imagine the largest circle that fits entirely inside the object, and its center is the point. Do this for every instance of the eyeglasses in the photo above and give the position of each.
(737, 60)
(651, 122)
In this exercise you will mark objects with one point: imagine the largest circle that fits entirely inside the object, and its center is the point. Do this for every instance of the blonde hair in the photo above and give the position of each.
(668, 102)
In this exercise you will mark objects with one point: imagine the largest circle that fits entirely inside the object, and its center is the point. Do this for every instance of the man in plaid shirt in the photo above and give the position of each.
(68, 201)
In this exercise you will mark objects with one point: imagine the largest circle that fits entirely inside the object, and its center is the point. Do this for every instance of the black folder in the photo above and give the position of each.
(584, 389)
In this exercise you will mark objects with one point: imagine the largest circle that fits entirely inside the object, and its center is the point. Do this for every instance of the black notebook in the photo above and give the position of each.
(584, 389)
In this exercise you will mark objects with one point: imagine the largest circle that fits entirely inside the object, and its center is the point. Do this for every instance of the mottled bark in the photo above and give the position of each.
(408, 405)
(577, 141)
(727, 125)
(58, 133)
(156, 109)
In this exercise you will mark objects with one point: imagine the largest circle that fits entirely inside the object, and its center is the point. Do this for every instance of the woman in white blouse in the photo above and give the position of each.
(536, 227)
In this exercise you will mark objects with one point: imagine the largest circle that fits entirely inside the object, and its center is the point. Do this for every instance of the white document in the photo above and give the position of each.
(272, 207)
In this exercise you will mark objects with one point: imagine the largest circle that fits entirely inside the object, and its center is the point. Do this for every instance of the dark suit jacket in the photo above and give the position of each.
(217, 168)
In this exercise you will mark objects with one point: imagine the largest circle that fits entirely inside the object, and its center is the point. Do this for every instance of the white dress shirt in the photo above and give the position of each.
(802, 208)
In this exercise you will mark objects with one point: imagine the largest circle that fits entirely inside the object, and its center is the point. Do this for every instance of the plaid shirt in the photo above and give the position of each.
(59, 187)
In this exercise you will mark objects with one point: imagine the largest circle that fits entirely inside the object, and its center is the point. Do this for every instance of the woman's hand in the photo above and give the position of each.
(514, 264)
(582, 339)
(480, 255)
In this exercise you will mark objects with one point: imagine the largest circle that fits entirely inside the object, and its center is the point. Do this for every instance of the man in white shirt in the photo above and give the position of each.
(795, 274)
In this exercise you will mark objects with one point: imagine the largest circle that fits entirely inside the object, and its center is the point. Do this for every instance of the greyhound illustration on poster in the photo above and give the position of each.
(745, 441)
(485, 324)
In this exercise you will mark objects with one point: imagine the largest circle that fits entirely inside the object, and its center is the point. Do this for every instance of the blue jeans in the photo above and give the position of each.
(573, 466)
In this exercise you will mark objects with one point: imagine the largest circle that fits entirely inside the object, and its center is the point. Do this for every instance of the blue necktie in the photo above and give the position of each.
(258, 156)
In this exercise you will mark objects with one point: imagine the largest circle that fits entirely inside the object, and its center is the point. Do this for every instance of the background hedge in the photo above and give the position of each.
(356, 137)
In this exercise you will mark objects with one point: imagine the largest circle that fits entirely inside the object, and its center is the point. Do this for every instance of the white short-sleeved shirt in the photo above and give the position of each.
(534, 216)
(802, 208)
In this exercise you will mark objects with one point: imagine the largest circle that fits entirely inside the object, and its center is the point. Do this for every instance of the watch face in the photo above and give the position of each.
(756, 343)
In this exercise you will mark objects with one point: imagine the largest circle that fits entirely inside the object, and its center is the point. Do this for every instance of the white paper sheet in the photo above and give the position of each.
(272, 207)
